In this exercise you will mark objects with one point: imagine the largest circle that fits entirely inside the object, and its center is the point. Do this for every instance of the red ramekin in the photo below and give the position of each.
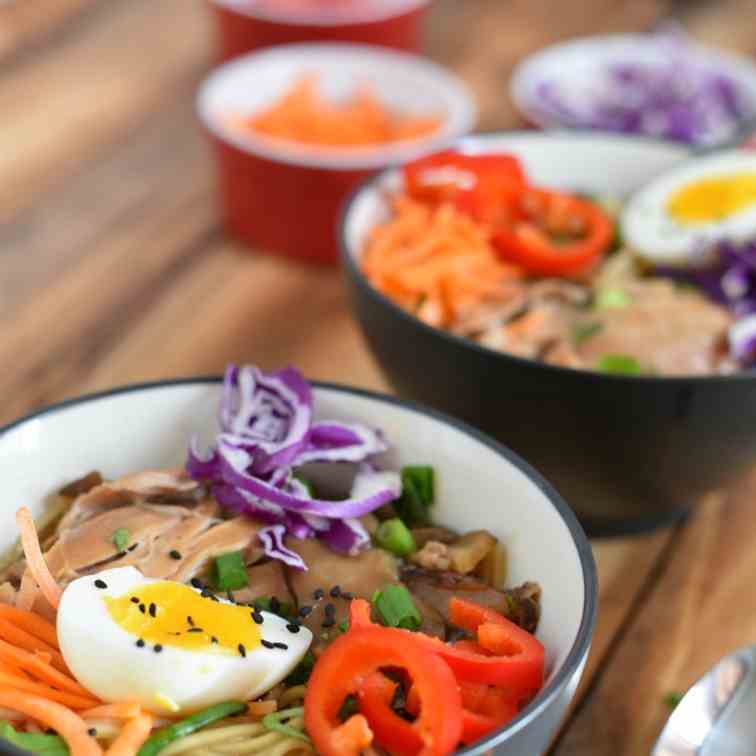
(285, 197)
(246, 25)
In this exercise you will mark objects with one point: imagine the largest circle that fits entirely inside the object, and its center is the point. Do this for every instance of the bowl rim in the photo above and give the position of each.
(521, 94)
(459, 119)
(376, 15)
(354, 271)
(581, 645)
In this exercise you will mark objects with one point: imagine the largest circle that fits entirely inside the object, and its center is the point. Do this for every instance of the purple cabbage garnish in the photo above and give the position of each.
(680, 96)
(266, 431)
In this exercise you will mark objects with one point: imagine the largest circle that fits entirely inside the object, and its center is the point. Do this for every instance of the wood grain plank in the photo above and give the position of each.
(702, 606)
(93, 90)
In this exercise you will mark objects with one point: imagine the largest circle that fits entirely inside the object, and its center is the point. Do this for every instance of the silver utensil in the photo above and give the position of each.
(717, 716)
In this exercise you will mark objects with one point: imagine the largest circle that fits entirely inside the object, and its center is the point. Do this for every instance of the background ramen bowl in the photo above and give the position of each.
(247, 25)
(480, 485)
(285, 197)
(627, 453)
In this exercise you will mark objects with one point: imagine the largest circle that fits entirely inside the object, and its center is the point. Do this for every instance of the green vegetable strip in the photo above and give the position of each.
(394, 536)
(396, 608)
(187, 726)
(38, 743)
(230, 572)
(275, 723)
(607, 299)
(417, 494)
(619, 364)
(121, 538)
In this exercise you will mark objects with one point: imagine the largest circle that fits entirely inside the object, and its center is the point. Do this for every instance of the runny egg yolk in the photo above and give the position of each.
(172, 614)
(713, 199)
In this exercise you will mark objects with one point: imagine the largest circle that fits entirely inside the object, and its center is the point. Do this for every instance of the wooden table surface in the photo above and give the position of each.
(114, 269)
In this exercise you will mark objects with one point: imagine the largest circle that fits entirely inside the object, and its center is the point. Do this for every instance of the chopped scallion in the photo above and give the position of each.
(281, 608)
(394, 536)
(276, 723)
(121, 538)
(230, 573)
(417, 494)
(673, 698)
(619, 364)
(608, 299)
(396, 608)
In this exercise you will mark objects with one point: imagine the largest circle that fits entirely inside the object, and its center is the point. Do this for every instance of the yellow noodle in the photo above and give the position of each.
(209, 737)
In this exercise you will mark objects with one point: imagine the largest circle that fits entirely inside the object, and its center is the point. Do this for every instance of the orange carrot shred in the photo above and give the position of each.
(131, 737)
(32, 623)
(18, 682)
(113, 711)
(65, 722)
(34, 558)
(22, 639)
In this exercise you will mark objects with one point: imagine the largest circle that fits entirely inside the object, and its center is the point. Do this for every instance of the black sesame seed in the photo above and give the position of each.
(275, 605)
(335, 591)
(267, 644)
(292, 628)
(195, 630)
(101, 584)
(257, 617)
(92, 732)
(329, 622)
(173, 554)
(304, 611)
(132, 547)
(347, 596)
(158, 648)
(196, 583)
(214, 598)
(330, 610)
(189, 620)
(213, 639)
(318, 594)
(140, 643)
(282, 646)
(153, 610)
(134, 600)
(205, 592)
(242, 650)
(142, 608)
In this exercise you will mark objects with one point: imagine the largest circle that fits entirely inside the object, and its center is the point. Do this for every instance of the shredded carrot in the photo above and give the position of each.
(113, 711)
(34, 558)
(132, 736)
(32, 623)
(22, 639)
(39, 667)
(261, 708)
(303, 115)
(65, 722)
(436, 262)
(19, 682)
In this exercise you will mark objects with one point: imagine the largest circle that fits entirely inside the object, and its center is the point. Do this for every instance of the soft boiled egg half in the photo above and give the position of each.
(682, 213)
(171, 647)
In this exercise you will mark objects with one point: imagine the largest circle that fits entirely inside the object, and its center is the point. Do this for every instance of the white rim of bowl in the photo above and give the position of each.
(460, 119)
(343, 18)
(521, 91)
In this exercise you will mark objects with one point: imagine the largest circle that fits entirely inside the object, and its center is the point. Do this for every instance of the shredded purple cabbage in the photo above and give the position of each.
(266, 432)
(680, 97)
(728, 278)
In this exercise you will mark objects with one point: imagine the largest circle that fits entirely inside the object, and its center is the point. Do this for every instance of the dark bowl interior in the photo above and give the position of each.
(628, 453)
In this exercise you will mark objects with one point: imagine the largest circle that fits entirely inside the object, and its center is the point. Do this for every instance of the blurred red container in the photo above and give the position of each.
(247, 25)
(285, 197)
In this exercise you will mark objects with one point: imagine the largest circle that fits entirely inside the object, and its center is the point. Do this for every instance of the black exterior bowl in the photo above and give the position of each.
(628, 453)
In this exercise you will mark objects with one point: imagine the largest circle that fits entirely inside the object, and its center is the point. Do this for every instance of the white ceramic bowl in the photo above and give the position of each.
(480, 485)
(575, 64)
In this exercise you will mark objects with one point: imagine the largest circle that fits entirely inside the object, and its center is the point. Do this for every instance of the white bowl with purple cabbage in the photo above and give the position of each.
(660, 84)
(329, 515)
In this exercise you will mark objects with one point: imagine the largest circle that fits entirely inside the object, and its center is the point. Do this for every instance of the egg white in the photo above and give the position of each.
(650, 231)
(105, 659)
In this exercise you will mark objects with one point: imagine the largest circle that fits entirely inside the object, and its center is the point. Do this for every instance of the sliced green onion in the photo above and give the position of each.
(417, 494)
(611, 299)
(307, 484)
(230, 573)
(275, 723)
(394, 536)
(34, 742)
(343, 626)
(301, 673)
(121, 538)
(187, 726)
(583, 331)
(673, 698)
(396, 608)
(619, 364)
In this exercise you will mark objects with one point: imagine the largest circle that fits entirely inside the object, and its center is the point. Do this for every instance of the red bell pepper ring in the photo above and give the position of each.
(470, 616)
(353, 658)
(561, 235)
